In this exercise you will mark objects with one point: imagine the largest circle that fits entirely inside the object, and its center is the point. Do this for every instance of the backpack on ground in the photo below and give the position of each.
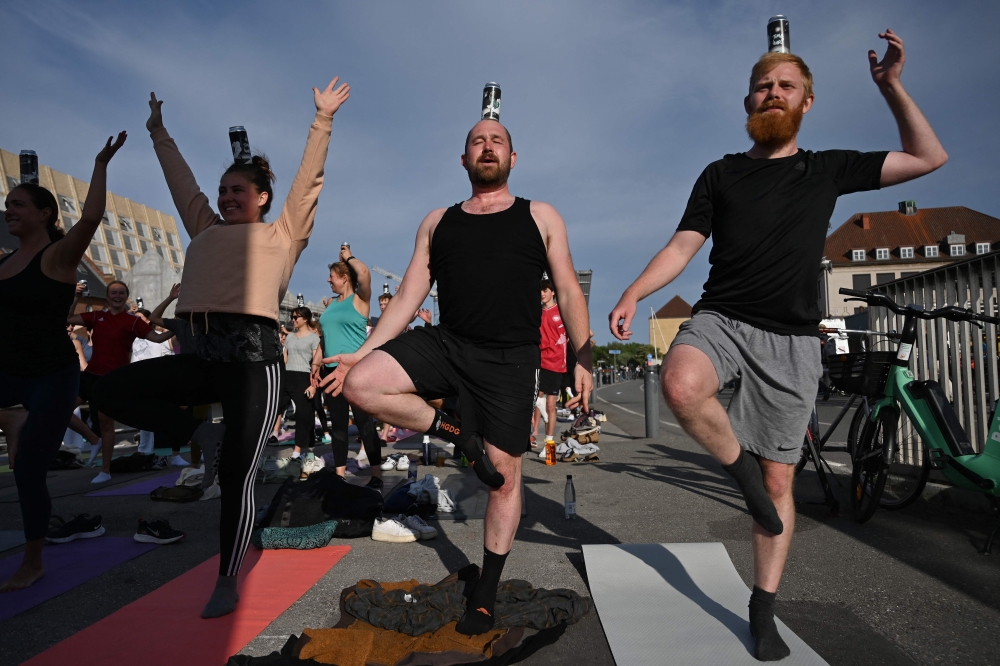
(323, 496)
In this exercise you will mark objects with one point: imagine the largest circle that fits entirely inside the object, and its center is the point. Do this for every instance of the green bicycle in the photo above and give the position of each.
(876, 456)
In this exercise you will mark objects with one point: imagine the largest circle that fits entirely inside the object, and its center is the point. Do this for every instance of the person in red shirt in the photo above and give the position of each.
(553, 356)
(112, 333)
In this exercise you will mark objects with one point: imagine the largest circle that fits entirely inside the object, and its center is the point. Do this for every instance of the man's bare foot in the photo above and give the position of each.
(25, 576)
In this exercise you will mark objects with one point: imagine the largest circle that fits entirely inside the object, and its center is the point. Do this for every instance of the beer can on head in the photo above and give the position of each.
(240, 144)
(299, 300)
(491, 102)
(778, 40)
(385, 287)
(29, 167)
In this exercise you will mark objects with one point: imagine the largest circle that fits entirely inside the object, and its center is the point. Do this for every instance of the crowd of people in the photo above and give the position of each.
(501, 264)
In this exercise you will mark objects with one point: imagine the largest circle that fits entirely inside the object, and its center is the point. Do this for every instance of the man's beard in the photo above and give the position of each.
(489, 175)
(774, 129)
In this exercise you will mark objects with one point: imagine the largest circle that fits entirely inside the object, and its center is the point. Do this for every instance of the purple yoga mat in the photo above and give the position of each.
(144, 487)
(68, 565)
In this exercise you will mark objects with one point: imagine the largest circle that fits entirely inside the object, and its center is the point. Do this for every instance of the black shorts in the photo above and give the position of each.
(549, 382)
(87, 381)
(495, 387)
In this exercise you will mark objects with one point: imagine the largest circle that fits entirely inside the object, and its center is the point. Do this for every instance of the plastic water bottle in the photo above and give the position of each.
(570, 497)
(427, 449)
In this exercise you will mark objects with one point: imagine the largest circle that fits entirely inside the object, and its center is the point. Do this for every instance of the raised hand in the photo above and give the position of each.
(425, 314)
(620, 319)
(888, 71)
(345, 253)
(333, 383)
(329, 100)
(155, 120)
(110, 149)
(175, 292)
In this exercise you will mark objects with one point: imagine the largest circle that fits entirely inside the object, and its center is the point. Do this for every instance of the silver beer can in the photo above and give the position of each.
(300, 301)
(778, 39)
(240, 144)
(491, 102)
(29, 167)
(385, 287)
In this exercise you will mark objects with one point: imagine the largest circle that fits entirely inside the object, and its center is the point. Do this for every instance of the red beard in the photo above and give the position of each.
(774, 129)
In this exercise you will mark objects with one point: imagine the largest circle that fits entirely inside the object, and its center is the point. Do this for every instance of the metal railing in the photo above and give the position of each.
(960, 356)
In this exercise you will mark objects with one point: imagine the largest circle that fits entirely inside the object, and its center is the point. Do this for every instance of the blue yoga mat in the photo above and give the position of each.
(143, 487)
(68, 565)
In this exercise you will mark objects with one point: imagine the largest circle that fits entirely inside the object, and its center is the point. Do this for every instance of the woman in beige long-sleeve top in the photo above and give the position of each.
(236, 274)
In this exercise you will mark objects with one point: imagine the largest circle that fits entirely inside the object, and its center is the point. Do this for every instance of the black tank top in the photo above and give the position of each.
(488, 269)
(33, 311)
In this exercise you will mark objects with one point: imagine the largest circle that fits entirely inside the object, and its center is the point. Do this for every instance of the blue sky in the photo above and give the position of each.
(614, 108)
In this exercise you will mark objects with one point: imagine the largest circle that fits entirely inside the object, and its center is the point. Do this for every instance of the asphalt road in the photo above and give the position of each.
(906, 587)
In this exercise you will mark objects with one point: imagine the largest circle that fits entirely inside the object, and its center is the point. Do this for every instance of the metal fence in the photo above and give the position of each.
(961, 356)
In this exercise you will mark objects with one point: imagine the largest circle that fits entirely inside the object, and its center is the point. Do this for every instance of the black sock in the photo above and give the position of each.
(769, 646)
(746, 471)
(449, 429)
(478, 617)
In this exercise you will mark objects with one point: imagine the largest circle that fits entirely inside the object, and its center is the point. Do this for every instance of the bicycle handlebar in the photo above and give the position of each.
(950, 312)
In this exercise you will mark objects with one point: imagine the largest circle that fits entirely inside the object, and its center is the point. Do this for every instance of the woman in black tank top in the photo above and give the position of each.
(41, 372)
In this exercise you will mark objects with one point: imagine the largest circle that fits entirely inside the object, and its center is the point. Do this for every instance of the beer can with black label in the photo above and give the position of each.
(778, 40)
(385, 287)
(29, 167)
(491, 101)
(86, 288)
(240, 144)
(299, 300)
(138, 302)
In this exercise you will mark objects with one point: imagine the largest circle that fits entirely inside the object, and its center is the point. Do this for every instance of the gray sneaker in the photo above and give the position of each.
(417, 524)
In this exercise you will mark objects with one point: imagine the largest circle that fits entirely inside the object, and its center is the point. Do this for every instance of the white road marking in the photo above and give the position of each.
(625, 409)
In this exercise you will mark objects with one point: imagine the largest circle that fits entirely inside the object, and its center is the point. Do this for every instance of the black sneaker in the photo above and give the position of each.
(158, 531)
(273, 441)
(81, 527)
(375, 483)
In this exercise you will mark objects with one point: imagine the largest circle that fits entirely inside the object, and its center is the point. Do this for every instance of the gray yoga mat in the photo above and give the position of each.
(10, 539)
(676, 603)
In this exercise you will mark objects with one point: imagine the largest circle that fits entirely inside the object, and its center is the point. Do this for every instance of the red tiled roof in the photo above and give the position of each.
(675, 308)
(892, 229)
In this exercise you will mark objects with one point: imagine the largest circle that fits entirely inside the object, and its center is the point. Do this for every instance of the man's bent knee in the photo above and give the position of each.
(778, 478)
(687, 383)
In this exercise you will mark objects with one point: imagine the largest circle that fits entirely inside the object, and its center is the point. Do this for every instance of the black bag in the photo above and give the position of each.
(64, 460)
(321, 497)
(137, 462)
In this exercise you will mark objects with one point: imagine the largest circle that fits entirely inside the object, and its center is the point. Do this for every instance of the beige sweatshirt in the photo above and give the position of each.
(243, 268)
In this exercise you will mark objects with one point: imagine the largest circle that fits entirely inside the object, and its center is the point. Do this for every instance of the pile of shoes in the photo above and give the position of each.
(585, 430)
(311, 464)
(277, 470)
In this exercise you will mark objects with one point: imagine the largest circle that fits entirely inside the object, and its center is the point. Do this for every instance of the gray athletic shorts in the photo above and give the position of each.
(779, 376)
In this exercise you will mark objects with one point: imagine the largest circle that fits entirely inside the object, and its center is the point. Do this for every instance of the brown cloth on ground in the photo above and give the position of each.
(343, 647)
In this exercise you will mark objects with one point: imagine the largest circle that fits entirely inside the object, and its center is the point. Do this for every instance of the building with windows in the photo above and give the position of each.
(875, 248)
(665, 323)
(129, 229)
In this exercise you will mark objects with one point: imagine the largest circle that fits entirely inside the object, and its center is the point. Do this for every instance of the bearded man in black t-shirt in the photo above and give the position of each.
(768, 211)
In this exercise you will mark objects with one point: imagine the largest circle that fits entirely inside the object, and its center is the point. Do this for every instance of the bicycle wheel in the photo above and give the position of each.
(857, 425)
(869, 473)
(904, 483)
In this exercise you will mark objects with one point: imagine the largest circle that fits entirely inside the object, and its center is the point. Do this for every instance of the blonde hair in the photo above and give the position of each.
(769, 61)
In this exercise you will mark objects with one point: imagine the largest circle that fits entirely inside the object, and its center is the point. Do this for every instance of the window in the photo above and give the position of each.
(132, 258)
(882, 278)
(145, 246)
(131, 244)
(117, 258)
(862, 282)
(109, 219)
(882, 253)
(908, 274)
(857, 255)
(175, 256)
(97, 253)
(931, 251)
(983, 248)
(157, 235)
(172, 240)
(906, 253)
(112, 237)
(126, 223)
(68, 222)
(67, 205)
(159, 249)
(957, 250)
(142, 229)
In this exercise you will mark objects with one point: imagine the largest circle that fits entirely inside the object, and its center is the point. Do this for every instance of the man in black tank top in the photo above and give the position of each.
(487, 256)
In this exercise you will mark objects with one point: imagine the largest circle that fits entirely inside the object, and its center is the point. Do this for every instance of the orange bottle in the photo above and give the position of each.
(550, 451)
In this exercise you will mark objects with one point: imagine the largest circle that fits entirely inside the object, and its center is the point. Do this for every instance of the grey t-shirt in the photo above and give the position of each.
(300, 352)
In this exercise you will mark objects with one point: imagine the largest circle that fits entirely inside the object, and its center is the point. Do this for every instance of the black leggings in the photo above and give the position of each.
(340, 420)
(305, 430)
(149, 394)
(49, 400)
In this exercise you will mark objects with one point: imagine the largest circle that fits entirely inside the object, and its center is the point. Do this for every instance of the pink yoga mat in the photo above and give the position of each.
(67, 565)
(143, 487)
(266, 591)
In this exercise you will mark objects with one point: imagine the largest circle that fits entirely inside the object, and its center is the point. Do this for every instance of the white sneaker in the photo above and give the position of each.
(393, 531)
(177, 461)
(417, 524)
(101, 478)
(403, 463)
(389, 464)
(362, 459)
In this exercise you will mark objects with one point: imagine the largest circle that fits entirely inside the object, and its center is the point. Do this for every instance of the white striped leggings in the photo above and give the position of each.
(149, 394)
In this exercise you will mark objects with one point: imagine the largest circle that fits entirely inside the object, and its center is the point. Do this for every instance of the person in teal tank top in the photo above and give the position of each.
(344, 325)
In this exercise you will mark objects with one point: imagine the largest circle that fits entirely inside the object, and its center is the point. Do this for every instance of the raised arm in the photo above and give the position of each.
(661, 271)
(922, 151)
(299, 210)
(191, 203)
(60, 263)
(363, 292)
(572, 304)
(156, 316)
(159, 336)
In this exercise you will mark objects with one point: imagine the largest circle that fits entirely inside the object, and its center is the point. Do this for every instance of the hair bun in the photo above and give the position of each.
(260, 161)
